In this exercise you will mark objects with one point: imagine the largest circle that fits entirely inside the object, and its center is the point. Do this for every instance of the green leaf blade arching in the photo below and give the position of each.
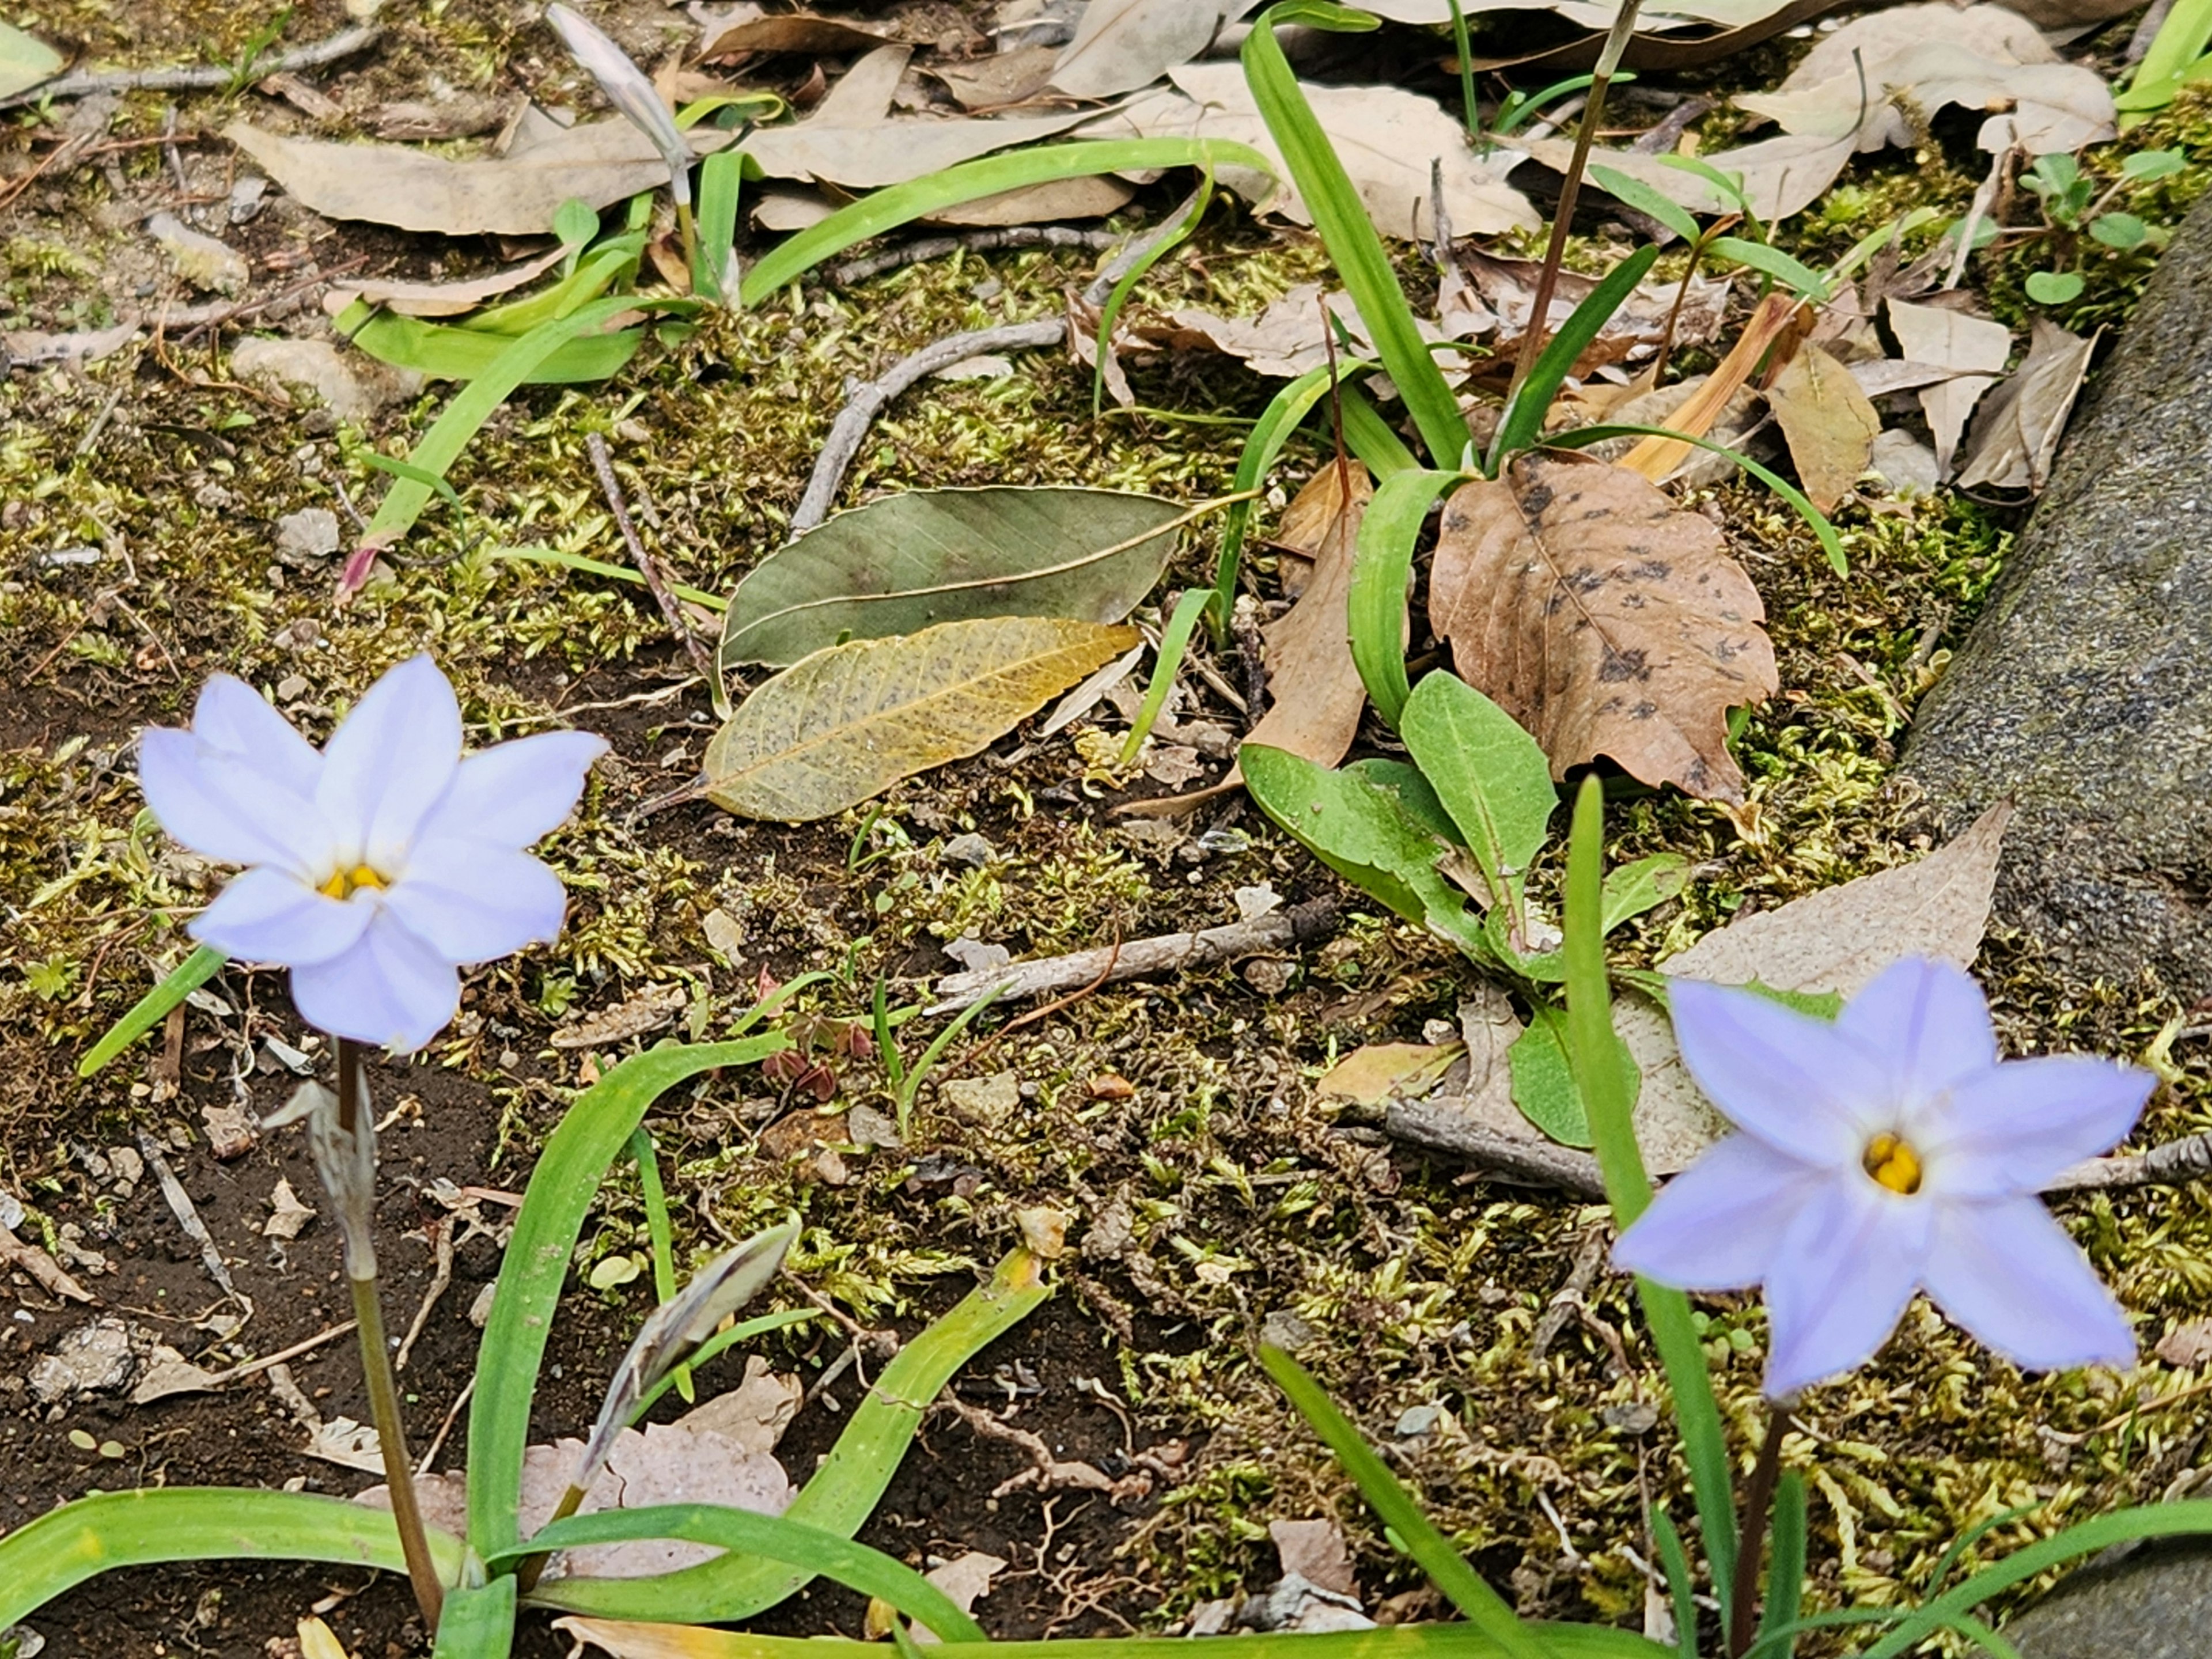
(905, 563)
(1489, 774)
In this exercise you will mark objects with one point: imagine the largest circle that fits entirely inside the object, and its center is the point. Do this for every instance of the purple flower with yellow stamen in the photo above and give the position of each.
(1888, 1154)
(380, 866)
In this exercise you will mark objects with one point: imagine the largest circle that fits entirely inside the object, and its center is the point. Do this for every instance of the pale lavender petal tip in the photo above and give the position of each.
(1714, 1226)
(1794, 1081)
(1930, 1022)
(516, 792)
(391, 758)
(391, 989)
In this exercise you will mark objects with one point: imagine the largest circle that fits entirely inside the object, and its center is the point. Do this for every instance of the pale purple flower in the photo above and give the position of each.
(1889, 1152)
(380, 866)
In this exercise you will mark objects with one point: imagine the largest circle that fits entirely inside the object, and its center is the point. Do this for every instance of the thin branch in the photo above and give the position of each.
(656, 582)
(200, 77)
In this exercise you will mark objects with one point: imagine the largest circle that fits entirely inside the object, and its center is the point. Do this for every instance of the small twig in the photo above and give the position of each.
(244, 309)
(452, 1415)
(1657, 140)
(2146, 31)
(1569, 1299)
(984, 241)
(1105, 972)
(1137, 958)
(440, 1277)
(198, 77)
(1985, 196)
(656, 582)
(188, 1217)
(1049, 1474)
(169, 150)
(253, 1367)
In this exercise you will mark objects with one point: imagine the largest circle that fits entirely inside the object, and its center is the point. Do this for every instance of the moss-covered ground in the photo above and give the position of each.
(1211, 1189)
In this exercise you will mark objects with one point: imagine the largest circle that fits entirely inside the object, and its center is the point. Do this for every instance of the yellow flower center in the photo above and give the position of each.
(1893, 1163)
(344, 883)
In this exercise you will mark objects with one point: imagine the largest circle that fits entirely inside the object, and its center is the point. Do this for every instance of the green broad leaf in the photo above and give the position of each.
(1544, 1083)
(150, 1010)
(1632, 889)
(1363, 830)
(442, 351)
(25, 60)
(1521, 422)
(1381, 571)
(1491, 776)
(1793, 274)
(901, 563)
(477, 1621)
(2119, 230)
(1414, 793)
(2053, 288)
(844, 1491)
(768, 1538)
(575, 221)
(2147, 164)
(887, 209)
(58, 1550)
(595, 1131)
(1635, 193)
(1341, 220)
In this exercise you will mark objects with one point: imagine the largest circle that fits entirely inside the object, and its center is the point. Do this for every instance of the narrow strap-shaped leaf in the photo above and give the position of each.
(1422, 1641)
(150, 1010)
(1681, 1588)
(1373, 438)
(1167, 662)
(1481, 1606)
(1523, 422)
(1785, 1565)
(1110, 312)
(478, 1622)
(1382, 572)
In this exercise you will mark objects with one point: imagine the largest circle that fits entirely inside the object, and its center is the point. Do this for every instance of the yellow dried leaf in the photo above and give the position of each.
(849, 721)
(1828, 422)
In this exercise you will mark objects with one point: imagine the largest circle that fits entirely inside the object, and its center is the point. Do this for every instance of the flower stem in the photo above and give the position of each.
(383, 1390)
(1751, 1543)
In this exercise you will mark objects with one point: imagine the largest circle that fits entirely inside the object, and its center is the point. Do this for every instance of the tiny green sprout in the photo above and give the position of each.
(2054, 288)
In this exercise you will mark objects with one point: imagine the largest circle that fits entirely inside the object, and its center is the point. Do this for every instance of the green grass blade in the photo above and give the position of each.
(1593, 1053)
(150, 1010)
(887, 209)
(1340, 217)
(65, 1546)
(442, 352)
(744, 1331)
(1785, 1567)
(771, 1538)
(2180, 41)
(721, 178)
(1453, 1641)
(1167, 662)
(1372, 439)
(660, 1235)
(1800, 279)
(1815, 520)
(850, 1482)
(1522, 421)
(1681, 1588)
(477, 1623)
(1635, 193)
(535, 553)
(1382, 572)
(473, 405)
(590, 1136)
(1480, 1605)
(1109, 314)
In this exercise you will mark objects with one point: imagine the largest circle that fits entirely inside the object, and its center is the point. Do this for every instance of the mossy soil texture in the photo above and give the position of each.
(1213, 1195)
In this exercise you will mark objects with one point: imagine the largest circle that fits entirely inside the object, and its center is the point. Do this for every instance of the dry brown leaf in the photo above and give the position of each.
(517, 195)
(1828, 422)
(1286, 339)
(1387, 139)
(801, 31)
(1635, 328)
(868, 155)
(850, 720)
(439, 299)
(1312, 513)
(1371, 1075)
(753, 1415)
(1091, 196)
(1317, 691)
(1604, 618)
(1732, 426)
(2015, 436)
(1781, 175)
(863, 94)
(1316, 1551)
(1003, 78)
(1122, 44)
(642, 1011)
(1970, 350)
(965, 1579)
(1657, 458)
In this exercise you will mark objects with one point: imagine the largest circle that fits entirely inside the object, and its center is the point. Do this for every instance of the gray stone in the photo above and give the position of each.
(2155, 1604)
(2085, 691)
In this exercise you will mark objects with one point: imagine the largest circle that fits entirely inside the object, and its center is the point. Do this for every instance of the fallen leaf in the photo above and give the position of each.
(516, 195)
(289, 1214)
(2015, 436)
(1044, 1230)
(1316, 689)
(317, 1641)
(25, 60)
(863, 94)
(1780, 176)
(752, 1416)
(1603, 618)
(630, 1639)
(1316, 1551)
(1312, 516)
(439, 299)
(1972, 350)
(28, 348)
(1286, 339)
(2186, 1346)
(1386, 138)
(1002, 78)
(643, 1010)
(1828, 422)
(349, 1444)
(796, 31)
(1122, 45)
(1371, 1075)
(905, 562)
(1508, 288)
(1090, 196)
(966, 1578)
(848, 721)
(1658, 458)
(870, 155)
(169, 1372)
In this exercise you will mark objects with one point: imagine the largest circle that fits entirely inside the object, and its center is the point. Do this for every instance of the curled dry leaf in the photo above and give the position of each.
(2015, 436)
(1508, 288)
(1122, 45)
(1970, 350)
(849, 721)
(1828, 422)
(1317, 691)
(1313, 516)
(803, 32)
(1604, 618)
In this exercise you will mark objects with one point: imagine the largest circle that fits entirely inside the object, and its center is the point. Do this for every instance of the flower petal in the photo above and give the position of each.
(1716, 1225)
(1799, 1084)
(231, 716)
(514, 792)
(1843, 1272)
(475, 900)
(2017, 1125)
(224, 808)
(2008, 1272)
(391, 989)
(266, 915)
(1929, 1023)
(389, 761)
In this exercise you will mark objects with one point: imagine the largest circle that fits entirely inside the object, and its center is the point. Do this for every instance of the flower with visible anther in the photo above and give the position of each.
(380, 866)
(1889, 1152)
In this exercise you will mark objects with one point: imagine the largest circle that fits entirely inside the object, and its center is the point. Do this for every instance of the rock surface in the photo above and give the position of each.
(2085, 691)
(2153, 1605)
